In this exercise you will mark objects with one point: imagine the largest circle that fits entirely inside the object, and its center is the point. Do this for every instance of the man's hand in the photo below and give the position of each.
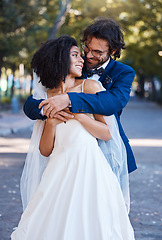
(54, 104)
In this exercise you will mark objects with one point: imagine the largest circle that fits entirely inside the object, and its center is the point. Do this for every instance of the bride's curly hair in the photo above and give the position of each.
(52, 61)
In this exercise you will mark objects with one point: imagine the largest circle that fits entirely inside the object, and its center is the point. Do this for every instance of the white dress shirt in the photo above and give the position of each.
(96, 76)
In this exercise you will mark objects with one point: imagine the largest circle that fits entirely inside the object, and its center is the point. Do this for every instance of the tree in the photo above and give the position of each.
(21, 33)
(144, 35)
(14, 23)
(60, 19)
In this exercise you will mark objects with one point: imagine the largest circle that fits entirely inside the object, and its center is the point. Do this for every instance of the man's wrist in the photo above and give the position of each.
(41, 111)
(68, 101)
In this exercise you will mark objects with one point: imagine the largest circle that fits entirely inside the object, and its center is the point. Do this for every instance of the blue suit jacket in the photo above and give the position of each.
(117, 80)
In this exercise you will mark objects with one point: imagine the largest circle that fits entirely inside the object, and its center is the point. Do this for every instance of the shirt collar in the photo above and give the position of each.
(104, 64)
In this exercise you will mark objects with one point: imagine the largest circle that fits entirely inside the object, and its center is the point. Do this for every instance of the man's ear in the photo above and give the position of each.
(113, 52)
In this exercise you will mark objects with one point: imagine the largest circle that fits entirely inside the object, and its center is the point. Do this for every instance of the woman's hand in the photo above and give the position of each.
(64, 115)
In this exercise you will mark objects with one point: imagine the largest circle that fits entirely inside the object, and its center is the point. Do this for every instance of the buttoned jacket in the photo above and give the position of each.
(117, 80)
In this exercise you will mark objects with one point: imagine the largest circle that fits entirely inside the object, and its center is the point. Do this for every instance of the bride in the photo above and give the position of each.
(69, 190)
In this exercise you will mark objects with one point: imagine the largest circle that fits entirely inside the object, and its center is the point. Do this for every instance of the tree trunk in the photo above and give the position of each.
(153, 90)
(31, 84)
(60, 19)
(13, 83)
(0, 79)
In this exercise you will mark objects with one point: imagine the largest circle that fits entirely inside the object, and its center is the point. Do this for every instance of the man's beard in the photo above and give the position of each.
(98, 64)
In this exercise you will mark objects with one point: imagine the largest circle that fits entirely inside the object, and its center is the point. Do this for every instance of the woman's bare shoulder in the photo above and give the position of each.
(92, 86)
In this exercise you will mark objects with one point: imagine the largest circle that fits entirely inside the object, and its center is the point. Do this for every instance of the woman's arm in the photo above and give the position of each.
(97, 127)
(108, 102)
(48, 136)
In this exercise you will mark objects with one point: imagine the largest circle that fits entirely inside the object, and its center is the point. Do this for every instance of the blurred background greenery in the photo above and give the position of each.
(24, 25)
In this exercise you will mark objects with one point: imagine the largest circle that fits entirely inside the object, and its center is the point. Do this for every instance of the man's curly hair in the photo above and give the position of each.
(108, 30)
(52, 61)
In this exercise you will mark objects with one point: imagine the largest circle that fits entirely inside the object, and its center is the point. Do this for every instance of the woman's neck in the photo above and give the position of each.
(64, 86)
(69, 83)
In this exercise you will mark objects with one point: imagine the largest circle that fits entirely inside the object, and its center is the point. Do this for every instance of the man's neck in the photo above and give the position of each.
(104, 64)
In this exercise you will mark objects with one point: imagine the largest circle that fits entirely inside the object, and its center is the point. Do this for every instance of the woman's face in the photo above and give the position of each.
(76, 62)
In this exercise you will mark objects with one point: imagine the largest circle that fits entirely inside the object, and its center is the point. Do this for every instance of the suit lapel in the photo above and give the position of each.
(106, 77)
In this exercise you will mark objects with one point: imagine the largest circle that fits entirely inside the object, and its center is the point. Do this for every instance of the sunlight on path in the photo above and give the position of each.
(18, 145)
(146, 142)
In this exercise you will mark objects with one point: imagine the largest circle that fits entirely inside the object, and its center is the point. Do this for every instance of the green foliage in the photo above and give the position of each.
(5, 100)
(143, 36)
(25, 24)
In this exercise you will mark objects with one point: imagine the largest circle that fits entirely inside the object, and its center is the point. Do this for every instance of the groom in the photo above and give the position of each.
(101, 41)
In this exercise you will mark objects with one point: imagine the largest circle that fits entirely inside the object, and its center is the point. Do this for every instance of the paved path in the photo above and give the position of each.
(143, 124)
(13, 123)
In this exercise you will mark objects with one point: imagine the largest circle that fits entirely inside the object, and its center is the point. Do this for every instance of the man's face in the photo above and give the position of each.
(96, 52)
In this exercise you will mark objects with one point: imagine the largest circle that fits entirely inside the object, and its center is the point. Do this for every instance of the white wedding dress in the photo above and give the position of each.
(79, 197)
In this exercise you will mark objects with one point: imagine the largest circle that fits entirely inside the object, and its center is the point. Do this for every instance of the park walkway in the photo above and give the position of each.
(142, 121)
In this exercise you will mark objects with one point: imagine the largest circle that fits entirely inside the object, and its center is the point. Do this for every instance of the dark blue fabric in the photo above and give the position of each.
(31, 108)
(130, 156)
(117, 80)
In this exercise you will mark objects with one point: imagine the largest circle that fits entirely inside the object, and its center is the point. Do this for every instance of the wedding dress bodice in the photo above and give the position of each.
(71, 134)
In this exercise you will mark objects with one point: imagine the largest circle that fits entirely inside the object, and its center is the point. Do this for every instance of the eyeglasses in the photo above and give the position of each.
(95, 53)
